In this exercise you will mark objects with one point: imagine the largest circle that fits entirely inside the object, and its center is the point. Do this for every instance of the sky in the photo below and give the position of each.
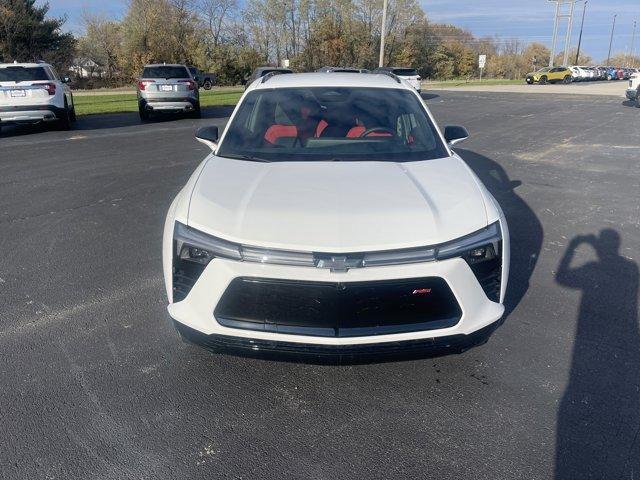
(526, 20)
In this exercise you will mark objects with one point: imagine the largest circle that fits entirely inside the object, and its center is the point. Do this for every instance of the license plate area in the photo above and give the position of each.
(166, 88)
(18, 93)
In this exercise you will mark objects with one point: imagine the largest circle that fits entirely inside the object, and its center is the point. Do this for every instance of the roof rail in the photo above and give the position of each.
(269, 75)
(391, 74)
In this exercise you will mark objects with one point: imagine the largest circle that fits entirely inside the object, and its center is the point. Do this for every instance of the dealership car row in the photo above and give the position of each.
(579, 74)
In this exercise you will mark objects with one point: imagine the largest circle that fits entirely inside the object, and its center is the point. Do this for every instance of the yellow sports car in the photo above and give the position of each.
(549, 75)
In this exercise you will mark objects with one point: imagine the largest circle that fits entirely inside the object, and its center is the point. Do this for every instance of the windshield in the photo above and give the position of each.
(165, 71)
(326, 123)
(21, 74)
(545, 69)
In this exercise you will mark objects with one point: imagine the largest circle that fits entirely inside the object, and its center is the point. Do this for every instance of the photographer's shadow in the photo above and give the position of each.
(598, 434)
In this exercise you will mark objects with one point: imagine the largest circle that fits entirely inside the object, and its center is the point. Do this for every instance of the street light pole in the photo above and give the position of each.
(584, 10)
(383, 33)
(555, 34)
(633, 41)
(611, 40)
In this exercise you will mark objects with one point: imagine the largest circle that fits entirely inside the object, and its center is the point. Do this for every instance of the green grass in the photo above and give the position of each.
(126, 102)
(463, 82)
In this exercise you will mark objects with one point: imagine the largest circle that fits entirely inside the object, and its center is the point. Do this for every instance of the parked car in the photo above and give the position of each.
(205, 80)
(339, 70)
(167, 88)
(34, 93)
(633, 91)
(410, 75)
(549, 75)
(577, 74)
(262, 71)
(275, 241)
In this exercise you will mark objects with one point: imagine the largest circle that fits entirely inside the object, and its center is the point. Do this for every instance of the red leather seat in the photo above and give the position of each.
(274, 132)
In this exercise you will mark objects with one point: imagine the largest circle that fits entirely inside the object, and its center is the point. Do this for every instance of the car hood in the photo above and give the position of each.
(337, 206)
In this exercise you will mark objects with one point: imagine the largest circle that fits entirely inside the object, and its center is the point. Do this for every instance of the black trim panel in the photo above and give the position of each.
(373, 352)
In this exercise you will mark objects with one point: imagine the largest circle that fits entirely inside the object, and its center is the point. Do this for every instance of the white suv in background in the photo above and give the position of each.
(34, 93)
(633, 92)
(410, 75)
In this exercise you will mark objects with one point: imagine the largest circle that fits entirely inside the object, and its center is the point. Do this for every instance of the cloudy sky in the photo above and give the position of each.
(527, 20)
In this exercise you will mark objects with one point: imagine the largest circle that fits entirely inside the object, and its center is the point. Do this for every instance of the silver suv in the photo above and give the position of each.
(167, 88)
(34, 93)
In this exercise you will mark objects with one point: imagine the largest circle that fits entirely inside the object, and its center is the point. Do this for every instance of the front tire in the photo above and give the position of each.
(207, 84)
(543, 80)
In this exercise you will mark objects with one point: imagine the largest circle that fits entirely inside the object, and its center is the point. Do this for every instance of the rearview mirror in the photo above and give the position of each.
(455, 134)
(208, 136)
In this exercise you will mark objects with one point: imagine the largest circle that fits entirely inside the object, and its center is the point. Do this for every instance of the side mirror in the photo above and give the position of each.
(66, 80)
(455, 134)
(208, 136)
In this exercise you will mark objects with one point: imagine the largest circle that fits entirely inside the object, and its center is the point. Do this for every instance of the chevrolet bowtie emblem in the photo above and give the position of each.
(337, 263)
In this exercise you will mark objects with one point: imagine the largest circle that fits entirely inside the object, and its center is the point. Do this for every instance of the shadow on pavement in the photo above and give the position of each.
(113, 120)
(598, 434)
(525, 229)
(629, 103)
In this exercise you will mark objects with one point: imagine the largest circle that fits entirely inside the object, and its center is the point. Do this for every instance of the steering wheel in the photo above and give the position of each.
(369, 131)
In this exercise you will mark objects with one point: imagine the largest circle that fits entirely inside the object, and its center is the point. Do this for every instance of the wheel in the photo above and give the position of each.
(530, 81)
(64, 122)
(144, 114)
(207, 84)
(638, 98)
(567, 80)
(543, 80)
(197, 113)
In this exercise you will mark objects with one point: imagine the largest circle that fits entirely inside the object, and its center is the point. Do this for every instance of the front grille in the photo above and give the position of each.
(338, 309)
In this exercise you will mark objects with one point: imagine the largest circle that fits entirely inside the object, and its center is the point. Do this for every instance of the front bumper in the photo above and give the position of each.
(197, 309)
(30, 113)
(632, 94)
(343, 353)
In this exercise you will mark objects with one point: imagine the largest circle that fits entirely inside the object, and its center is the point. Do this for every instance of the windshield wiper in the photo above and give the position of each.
(250, 158)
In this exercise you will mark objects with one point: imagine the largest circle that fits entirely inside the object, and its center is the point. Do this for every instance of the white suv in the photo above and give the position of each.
(633, 92)
(34, 93)
(409, 75)
(333, 217)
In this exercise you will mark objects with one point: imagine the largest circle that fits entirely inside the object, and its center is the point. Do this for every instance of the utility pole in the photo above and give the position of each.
(584, 10)
(611, 40)
(560, 14)
(633, 41)
(555, 34)
(383, 33)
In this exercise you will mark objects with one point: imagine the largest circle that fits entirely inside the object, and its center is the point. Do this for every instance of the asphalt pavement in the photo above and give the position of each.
(95, 384)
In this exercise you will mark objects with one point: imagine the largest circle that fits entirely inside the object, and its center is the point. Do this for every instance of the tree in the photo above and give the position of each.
(26, 34)
(584, 59)
(101, 44)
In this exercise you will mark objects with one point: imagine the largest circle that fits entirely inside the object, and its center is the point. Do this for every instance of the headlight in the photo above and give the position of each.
(482, 251)
(195, 246)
